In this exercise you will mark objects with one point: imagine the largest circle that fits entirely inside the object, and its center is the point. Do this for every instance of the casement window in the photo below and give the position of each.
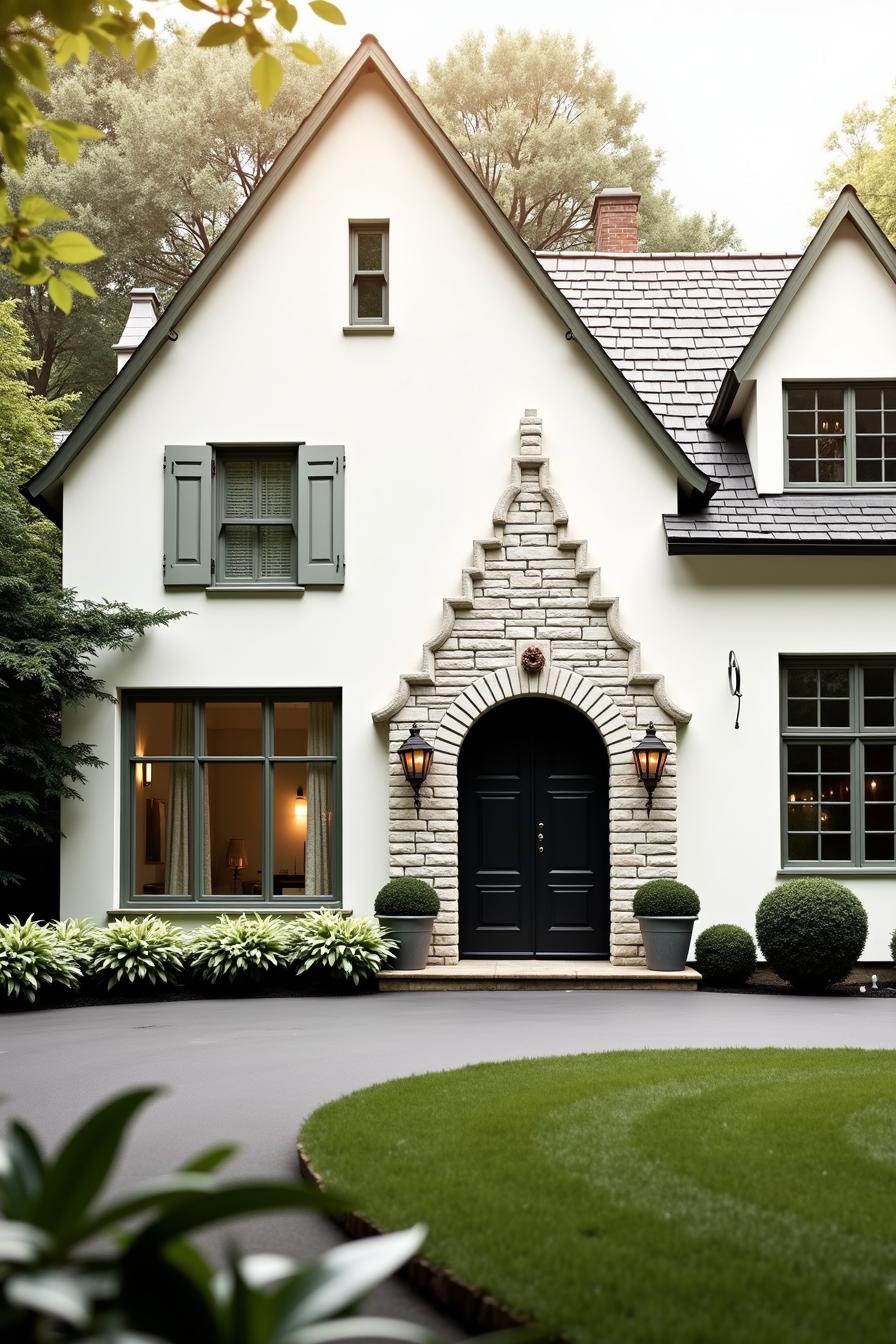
(839, 762)
(231, 798)
(840, 435)
(369, 262)
(254, 517)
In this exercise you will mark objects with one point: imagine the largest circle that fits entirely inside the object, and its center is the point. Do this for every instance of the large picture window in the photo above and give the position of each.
(839, 435)
(232, 798)
(839, 739)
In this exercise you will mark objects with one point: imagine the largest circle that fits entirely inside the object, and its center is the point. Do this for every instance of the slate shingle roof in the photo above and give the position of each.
(674, 324)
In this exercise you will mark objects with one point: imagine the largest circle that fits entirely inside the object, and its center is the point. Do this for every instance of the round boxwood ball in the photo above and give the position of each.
(725, 954)
(811, 931)
(662, 896)
(407, 896)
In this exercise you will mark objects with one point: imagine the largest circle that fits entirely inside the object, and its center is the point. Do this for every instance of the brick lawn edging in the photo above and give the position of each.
(530, 583)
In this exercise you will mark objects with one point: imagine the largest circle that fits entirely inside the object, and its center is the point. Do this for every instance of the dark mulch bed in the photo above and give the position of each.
(97, 998)
(764, 981)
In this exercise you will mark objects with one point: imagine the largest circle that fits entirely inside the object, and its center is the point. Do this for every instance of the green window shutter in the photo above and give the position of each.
(321, 515)
(188, 516)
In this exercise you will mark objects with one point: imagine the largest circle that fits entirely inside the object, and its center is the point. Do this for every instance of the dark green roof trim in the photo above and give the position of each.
(846, 206)
(44, 489)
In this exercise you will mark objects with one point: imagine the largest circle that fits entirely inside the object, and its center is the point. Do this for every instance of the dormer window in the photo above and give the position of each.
(840, 435)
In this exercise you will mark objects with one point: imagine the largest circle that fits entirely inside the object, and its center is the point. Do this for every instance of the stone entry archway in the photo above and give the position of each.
(530, 583)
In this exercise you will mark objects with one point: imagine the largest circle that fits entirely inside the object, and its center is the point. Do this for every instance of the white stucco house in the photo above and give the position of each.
(377, 450)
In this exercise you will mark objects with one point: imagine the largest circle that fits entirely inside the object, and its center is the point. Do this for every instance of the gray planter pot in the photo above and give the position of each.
(413, 934)
(667, 940)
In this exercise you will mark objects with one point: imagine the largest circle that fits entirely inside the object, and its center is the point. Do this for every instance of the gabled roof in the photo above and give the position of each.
(847, 206)
(44, 489)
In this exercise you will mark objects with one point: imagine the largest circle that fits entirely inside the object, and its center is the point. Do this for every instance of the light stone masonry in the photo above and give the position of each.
(532, 583)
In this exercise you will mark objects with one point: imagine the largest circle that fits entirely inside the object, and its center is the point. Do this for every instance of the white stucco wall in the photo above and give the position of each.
(429, 419)
(841, 325)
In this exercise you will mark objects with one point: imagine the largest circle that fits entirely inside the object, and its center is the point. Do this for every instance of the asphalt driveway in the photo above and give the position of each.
(250, 1070)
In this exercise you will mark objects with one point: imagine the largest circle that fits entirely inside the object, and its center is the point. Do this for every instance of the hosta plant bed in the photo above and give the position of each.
(641, 1196)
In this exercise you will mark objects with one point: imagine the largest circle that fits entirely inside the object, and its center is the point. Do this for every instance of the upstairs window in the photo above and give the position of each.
(369, 274)
(262, 517)
(840, 435)
(256, 518)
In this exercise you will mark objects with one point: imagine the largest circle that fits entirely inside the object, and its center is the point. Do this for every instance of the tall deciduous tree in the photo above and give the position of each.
(48, 638)
(183, 147)
(863, 153)
(544, 126)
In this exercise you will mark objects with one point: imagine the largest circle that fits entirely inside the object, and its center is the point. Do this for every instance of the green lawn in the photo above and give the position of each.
(662, 1196)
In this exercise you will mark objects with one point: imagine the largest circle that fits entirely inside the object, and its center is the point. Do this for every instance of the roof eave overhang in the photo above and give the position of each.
(847, 206)
(369, 55)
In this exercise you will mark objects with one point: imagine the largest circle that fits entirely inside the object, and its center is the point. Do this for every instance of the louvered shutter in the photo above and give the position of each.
(188, 516)
(321, 515)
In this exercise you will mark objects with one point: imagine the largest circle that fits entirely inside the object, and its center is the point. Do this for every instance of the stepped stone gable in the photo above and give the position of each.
(531, 583)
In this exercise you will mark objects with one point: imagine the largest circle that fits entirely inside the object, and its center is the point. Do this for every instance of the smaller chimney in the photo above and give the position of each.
(615, 219)
(143, 315)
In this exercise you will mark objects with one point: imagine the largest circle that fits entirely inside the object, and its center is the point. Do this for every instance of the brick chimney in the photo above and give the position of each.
(615, 219)
(143, 315)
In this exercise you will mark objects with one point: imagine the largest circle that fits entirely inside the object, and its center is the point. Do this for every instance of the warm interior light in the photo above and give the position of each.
(301, 808)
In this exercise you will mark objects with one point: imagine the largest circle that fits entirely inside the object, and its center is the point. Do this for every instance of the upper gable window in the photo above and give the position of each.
(369, 274)
(841, 435)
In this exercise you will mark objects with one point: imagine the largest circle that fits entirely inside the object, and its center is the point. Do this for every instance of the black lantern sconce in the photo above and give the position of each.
(651, 755)
(416, 756)
(734, 682)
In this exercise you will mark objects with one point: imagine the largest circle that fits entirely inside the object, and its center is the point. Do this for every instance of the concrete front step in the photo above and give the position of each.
(537, 974)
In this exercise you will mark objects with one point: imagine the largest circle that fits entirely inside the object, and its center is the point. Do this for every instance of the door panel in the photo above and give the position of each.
(533, 818)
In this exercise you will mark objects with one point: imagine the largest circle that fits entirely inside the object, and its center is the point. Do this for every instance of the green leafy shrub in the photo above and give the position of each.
(407, 896)
(81, 1262)
(330, 947)
(811, 931)
(78, 936)
(147, 951)
(893, 946)
(241, 949)
(32, 962)
(663, 896)
(725, 954)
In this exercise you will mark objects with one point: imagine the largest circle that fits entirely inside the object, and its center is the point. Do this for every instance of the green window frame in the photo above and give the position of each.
(369, 273)
(256, 517)
(134, 764)
(838, 763)
(840, 436)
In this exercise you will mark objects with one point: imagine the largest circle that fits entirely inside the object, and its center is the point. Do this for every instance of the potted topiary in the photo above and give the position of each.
(407, 909)
(666, 911)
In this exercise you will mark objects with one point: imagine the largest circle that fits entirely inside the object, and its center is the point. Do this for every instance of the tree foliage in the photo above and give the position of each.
(49, 639)
(34, 34)
(183, 147)
(544, 126)
(863, 154)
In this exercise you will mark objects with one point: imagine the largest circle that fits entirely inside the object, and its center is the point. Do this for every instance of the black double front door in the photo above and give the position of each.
(534, 843)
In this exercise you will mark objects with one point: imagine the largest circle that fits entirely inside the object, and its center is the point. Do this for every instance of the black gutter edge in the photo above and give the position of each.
(753, 546)
(41, 503)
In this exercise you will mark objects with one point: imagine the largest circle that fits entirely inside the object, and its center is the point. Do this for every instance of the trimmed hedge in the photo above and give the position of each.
(725, 954)
(811, 931)
(663, 896)
(407, 896)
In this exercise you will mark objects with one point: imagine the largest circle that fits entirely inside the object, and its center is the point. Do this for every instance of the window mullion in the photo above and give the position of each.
(198, 800)
(267, 801)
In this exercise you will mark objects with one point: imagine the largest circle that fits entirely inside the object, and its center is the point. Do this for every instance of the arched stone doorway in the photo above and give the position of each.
(533, 834)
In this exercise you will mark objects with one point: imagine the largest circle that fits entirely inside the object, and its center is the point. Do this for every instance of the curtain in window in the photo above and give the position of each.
(318, 877)
(178, 874)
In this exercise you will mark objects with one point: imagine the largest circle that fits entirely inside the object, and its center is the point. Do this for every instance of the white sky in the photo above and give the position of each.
(740, 97)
